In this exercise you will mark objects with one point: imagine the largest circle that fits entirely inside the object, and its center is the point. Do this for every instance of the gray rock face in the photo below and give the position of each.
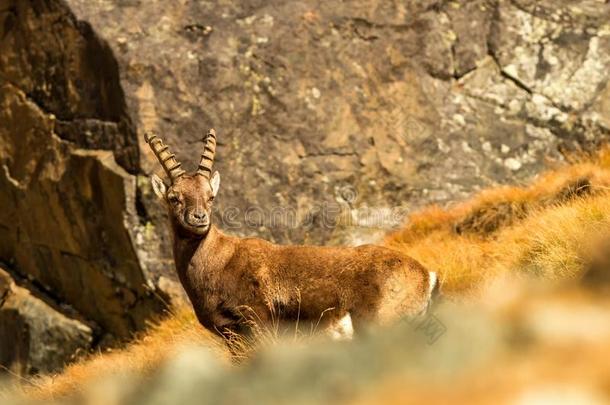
(444, 357)
(401, 104)
(334, 119)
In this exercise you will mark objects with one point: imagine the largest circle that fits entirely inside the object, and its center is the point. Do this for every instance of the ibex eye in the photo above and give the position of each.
(173, 198)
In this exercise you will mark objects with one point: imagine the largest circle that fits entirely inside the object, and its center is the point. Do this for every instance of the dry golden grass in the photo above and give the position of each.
(547, 229)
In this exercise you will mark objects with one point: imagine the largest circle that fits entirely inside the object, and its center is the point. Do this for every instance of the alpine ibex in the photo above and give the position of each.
(223, 274)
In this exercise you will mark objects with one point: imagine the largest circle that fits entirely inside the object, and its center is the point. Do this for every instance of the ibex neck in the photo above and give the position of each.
(186, 245)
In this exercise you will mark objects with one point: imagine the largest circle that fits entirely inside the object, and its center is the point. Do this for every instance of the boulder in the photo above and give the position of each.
(34, 335)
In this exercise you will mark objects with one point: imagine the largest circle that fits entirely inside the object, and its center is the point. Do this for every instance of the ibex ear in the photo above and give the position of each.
(215, 183)
(158, 186)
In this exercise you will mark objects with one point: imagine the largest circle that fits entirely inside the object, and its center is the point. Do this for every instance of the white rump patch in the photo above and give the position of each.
(432, 285)
(342, 329)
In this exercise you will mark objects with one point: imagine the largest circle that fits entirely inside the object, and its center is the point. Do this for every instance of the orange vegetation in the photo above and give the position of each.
(547, 229)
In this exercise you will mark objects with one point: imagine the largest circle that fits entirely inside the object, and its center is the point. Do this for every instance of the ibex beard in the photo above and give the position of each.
(233, 281)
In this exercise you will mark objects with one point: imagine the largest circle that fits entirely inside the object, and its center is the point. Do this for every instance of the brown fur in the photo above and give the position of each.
(230, 279)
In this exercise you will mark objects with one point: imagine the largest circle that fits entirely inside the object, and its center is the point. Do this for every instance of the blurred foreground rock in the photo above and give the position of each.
(334, 120)
(516, 345)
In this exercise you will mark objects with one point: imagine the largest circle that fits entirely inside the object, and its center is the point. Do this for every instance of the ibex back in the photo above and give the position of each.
(231, 280)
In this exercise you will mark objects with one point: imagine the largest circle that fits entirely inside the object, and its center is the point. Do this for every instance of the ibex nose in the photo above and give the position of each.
(196, 218)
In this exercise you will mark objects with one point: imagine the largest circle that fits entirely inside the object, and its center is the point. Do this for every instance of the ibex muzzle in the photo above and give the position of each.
(231, 281)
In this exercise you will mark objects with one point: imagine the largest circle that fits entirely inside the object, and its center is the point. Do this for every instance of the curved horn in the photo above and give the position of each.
(166, 158)
(207, 157)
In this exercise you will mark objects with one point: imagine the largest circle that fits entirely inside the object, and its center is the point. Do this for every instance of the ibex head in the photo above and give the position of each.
(189, 196)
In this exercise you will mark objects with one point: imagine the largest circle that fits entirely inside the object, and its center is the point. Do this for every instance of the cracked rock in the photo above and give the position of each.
(357, 94)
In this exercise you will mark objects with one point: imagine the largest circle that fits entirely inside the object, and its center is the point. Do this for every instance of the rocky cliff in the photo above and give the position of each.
(334, 119)
(69, 212)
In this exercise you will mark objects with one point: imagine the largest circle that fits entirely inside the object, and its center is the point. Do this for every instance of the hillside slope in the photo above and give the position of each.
(555, 229)
(525, 272)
